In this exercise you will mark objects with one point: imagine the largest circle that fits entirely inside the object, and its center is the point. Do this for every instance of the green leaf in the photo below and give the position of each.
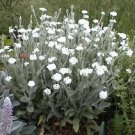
(69, 112)
(89, 132)
(93, 125)
(41, 119)
(102, 129)
(88, 115)
(17, 126)
(76, 123)
(49, 115)
(30, 108)
(19, 113)
(103, 105)
(28, 130)
(24, 99)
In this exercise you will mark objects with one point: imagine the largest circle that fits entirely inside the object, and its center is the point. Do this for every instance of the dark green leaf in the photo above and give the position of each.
(103, 105)
(28, 130)
(24, 99)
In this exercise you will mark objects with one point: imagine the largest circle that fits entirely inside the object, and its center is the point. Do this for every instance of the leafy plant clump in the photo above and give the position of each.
(63, 72)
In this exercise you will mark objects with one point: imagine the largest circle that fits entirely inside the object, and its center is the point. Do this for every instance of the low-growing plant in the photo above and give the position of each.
(10, 124)
(63, 72)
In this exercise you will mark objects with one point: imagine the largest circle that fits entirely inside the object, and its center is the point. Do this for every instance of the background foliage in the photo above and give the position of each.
(10, 10)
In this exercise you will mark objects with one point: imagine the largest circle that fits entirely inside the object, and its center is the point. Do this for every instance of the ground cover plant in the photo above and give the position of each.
(63, 73)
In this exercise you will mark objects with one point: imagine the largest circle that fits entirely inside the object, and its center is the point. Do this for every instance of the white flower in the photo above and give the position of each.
(102, 13)
(33, 57)
(94, 29)
(79, 48)
(43, 9)
(35, 30)
(108, 60)
(5, 56)
(56, 86)
(57, 77)
(129, 53)
(105, 29)
(95, 64)
(6, 47)
(51, 67)
(65, 51)
(53, 23)
(28, 30)
(11, 60)
(71, 26)
(24, 37)
(31, 83)
(51, 44)
(72, 51)
(100, 70)
(113, 44)
(122, 35)
(85, 16)
(58, 46)
(47, 91)
(46, 42)
(35, 50)
(129, 71)
(1, 51)
(51, 31)
(83, 22)
(113, 54)
(112, 21)
(84, 11)
(95, 21)
(103, 94)
(61, 39)
(41, 57)
(87, 40)
(85, 72)
(104, 68)
(65, 71)
(113, 14)
(99, 54)
(86, 28)
(18, 45)
(123, 42)
(67, 80)
(124, 45)
(11, 30)
(51, 59)
(10, 50)
(97, 40)
(22, 30)
(8, 78)
(70, 37)
(73, 60)
(35, 35)
(26, 64)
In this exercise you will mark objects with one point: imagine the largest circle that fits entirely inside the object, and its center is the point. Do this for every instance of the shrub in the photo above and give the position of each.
(64, 72)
